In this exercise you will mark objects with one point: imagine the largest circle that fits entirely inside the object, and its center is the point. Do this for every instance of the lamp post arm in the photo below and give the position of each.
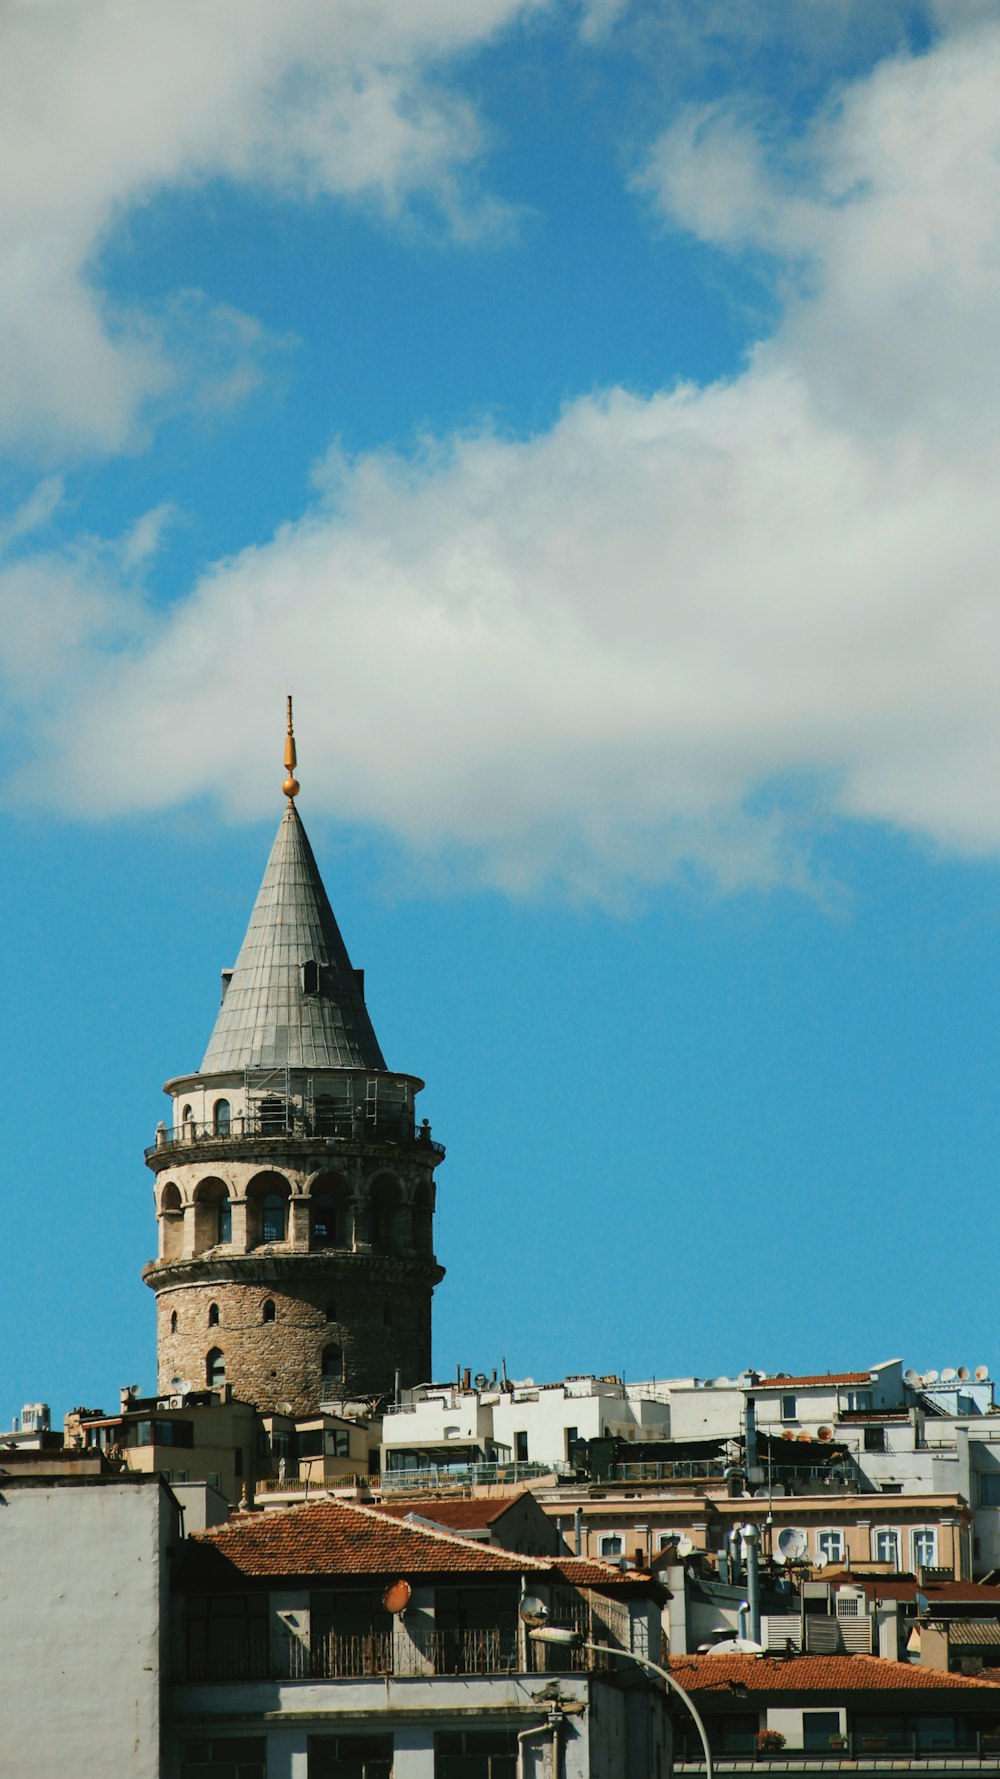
(654, 1668)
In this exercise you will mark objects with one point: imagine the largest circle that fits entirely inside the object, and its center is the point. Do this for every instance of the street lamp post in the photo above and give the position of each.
(534, 1614)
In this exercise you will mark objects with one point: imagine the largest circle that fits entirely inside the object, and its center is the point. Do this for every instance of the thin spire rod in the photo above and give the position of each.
(291, 786)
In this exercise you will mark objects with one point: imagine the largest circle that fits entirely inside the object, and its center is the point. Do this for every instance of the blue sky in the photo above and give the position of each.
(589, 413)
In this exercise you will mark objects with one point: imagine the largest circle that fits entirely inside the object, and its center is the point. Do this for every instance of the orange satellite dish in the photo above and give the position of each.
(397, 1597)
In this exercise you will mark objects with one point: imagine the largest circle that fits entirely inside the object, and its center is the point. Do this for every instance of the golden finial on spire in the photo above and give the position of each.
(291, 786)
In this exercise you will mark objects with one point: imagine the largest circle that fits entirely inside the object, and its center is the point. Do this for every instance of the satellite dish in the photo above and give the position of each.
(949, 1374)
(480, 1380)
(282, 1408)
(982, 1373)
(792, 1544)
(930, 1377)
(396, 1597)
(533, 1612)
(963, 1374)
(806, 1438)
(183, 1386)
(722, 1383)
(685, 1547)
(825, 1433)
(912, 1378)
(734, 1646)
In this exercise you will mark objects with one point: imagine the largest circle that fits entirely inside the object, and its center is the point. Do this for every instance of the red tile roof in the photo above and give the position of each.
(906, 1587)
(332, 1538)
(463, 1515)
(814, 1673)
(803, 1383)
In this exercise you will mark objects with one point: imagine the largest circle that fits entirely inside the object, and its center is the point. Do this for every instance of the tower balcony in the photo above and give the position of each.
(291, 1124)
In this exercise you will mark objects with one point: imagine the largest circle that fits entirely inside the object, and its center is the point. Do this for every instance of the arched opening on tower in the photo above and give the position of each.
(267, 1209)
(213, 1214)
(215, 1368)
(384, 1212)
(330, 1212)
(423, 1219)
(222, 1118)
(171, 1222)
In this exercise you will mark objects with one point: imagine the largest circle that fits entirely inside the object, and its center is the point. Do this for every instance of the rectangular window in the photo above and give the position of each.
(924, 1540)
(572, 1439)
(818, 1729)
(830, 1546)
(789, 1406)
(611, 1545)
(338, 1443)
(350, 1757)
(474, 1754)
(989, 1488)
(224, 1757)
(886, 1546)
(858, 1401)
(875, 1439)
(520, 1448)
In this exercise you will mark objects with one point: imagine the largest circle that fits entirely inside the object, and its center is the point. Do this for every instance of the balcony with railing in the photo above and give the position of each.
(367, 1655)
(291, 1121)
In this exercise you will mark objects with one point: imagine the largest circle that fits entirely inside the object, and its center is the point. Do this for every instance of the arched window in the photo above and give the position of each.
(333, 1365)
(310, 977)
(331, 1312)
(222, 1118)
(423, 1238)
(267, 1209)
(171, 1222)
(215, 1368)
(213, 1315)
(186, 1115)
(273, 1218)
(212, 1213)
(268, 1315)
(382, 1213)
(173, 1321)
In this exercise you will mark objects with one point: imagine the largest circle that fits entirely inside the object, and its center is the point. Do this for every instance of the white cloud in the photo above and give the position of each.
(101, 106)
(600, 655)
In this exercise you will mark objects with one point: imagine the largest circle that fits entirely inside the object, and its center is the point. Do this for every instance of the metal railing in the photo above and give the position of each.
(361, 1655)
(390, 1126)
(910, 1744)
(400, 1482)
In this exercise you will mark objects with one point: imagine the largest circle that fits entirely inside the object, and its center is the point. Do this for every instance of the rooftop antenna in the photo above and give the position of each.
(291, 786)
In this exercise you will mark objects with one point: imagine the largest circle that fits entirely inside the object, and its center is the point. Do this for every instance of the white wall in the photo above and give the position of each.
(81, 1587)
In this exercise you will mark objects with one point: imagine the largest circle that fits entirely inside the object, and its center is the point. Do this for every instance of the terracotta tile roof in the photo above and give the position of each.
(906, 1587)
(803, 1383)
(334, 1538)
(462, 1515)
(585, 1572)
(337, 1538)
(814, 1673)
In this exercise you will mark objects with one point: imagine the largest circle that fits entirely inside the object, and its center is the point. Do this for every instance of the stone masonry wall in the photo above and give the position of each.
(378, 1324)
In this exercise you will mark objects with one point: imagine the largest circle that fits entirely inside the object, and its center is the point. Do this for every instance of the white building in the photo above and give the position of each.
(83, 1614)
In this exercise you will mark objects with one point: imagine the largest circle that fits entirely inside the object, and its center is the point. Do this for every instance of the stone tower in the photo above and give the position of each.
(294, 1191)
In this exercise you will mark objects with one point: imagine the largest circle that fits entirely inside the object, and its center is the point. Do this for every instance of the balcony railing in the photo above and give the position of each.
(391, 1125)
(856, 1746)
(399, 1482)
(366, 1655)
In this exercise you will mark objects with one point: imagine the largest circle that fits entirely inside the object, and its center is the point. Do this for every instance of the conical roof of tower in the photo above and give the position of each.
(267, 1018)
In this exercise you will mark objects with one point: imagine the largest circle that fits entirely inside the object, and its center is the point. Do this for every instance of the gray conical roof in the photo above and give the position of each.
(267, 1019)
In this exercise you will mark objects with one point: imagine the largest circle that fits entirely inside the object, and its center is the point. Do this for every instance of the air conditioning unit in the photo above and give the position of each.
(175, 1402)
